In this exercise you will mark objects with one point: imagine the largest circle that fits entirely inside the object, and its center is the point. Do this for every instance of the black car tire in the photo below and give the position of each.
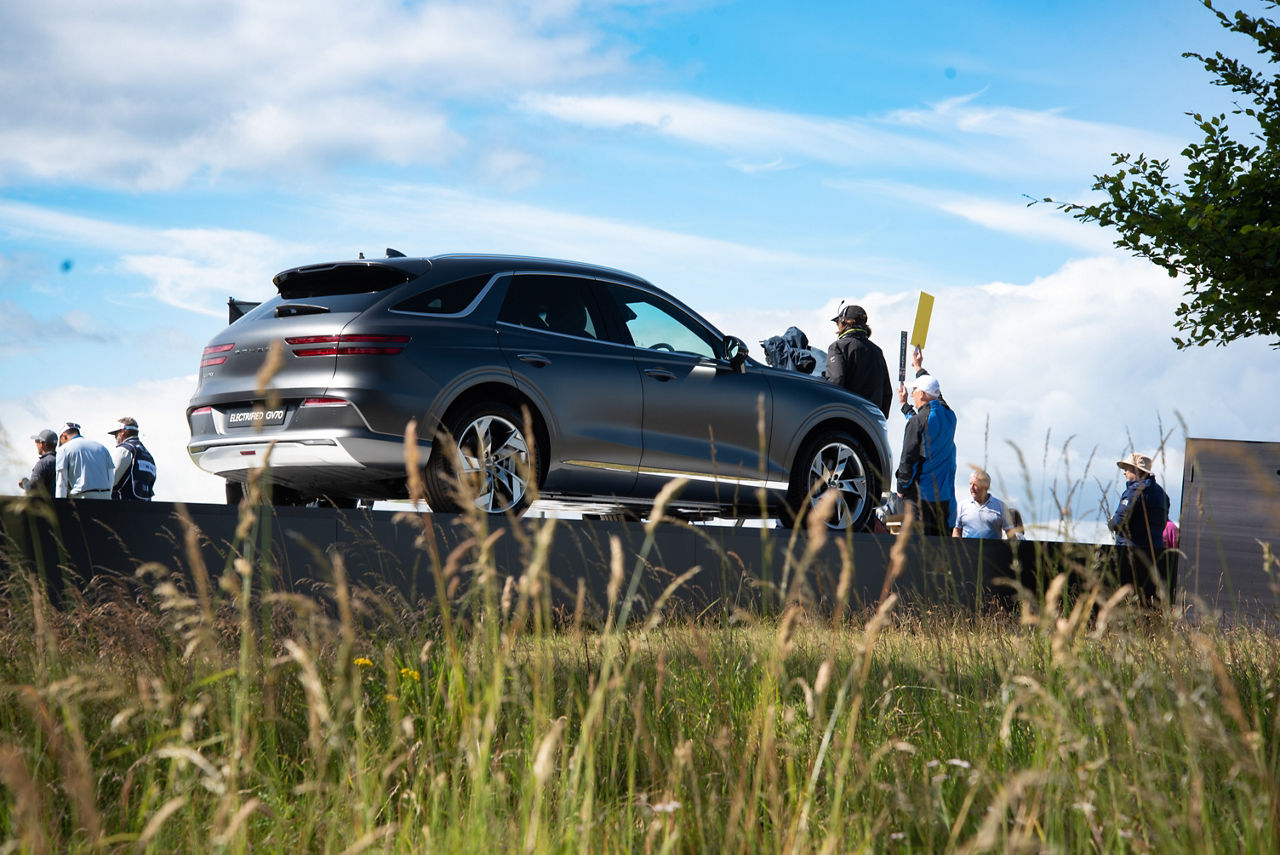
(493, 447)
(834, 459)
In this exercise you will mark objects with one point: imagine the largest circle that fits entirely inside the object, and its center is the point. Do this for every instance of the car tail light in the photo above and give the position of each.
(324, 402)
(202, 411)
(207, 358)
(347, 345)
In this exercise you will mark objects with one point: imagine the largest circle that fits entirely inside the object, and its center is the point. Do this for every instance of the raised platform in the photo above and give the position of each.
(99, 549)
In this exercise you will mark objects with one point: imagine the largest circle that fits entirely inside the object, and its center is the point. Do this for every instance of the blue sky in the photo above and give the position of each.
(763, 161)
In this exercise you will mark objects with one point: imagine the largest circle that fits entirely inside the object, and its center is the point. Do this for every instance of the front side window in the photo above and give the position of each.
(559, 304)
(653, 323)
(450, 298)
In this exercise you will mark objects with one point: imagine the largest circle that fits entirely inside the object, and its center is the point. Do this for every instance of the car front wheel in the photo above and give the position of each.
(494, 465)
(834, 461)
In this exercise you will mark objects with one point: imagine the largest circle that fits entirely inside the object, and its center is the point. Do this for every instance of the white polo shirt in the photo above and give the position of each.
(989, 520)
(85, 470)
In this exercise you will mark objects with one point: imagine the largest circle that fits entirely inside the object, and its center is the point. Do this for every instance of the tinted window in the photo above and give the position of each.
(561, 304)
(326, 280)
(448, 299)
(654, 323)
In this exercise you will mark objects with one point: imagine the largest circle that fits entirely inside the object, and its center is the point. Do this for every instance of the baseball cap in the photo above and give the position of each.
(928, 384)
(851, 312)
(70, 426)
(45, 436)
(128, 423)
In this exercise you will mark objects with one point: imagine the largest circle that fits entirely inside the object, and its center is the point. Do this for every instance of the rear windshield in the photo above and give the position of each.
(332, 279)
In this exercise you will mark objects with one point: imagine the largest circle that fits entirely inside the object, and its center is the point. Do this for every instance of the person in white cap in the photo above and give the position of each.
(42, 480)
(84, 467)
(1140, 517)
(135, 468)
(927, 472)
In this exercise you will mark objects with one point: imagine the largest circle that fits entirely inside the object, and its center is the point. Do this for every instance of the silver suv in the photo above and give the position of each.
(589, 381)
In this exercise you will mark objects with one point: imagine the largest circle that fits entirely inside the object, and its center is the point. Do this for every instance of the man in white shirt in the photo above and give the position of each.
(84, 468)
(982, 514)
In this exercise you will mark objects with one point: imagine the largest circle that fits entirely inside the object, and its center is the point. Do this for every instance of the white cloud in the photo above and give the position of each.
(149, 94)
(958, 134)
(193, 269)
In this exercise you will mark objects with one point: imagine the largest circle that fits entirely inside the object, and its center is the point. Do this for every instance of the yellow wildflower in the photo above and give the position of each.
(363, 662)
(411, 674)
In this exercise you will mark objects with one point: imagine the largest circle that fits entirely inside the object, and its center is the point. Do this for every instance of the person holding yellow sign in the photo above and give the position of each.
(927, 472)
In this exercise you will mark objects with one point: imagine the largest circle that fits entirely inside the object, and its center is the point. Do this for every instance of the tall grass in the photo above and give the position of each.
(215, 712)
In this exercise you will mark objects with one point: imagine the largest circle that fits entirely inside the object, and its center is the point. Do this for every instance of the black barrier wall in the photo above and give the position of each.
(97, 549)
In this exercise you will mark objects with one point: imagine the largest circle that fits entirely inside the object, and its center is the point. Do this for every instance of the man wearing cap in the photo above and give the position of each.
(42, 481)
(84, 467)
(1143, 510)
(855, 362)
(927, 473)
(135, 468)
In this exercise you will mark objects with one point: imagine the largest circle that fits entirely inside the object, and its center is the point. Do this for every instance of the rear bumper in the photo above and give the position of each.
(324, 450)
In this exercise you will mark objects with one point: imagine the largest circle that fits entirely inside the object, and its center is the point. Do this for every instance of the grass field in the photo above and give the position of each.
(222, 716)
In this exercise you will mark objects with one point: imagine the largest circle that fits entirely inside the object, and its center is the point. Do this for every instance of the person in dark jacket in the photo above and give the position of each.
(1140, 517)
(41, 481)
(855, 362)
(135, 468)
(927, 473)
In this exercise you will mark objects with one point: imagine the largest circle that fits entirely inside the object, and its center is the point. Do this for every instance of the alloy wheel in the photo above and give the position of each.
(493, 460)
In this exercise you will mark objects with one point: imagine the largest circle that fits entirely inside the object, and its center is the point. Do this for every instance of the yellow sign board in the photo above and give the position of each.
(924, 310)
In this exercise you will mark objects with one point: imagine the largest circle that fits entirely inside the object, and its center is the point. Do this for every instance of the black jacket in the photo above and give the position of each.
(42, 476)
(857, 364)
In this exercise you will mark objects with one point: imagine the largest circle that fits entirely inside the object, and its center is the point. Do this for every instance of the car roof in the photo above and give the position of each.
(490, 261)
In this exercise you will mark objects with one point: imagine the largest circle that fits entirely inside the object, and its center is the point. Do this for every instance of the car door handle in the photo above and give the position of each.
(659, 374)
(537, 360)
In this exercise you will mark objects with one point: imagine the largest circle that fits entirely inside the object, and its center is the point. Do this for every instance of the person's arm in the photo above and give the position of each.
(835, 363)
(61, 488)
(912, 454)
(1119, 521)
(122, 459)
(955, 532)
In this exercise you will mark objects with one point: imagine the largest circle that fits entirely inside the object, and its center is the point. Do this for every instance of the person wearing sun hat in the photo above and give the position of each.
(1140, 517)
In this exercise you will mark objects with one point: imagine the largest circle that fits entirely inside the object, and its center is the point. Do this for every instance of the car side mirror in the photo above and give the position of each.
(735, 349)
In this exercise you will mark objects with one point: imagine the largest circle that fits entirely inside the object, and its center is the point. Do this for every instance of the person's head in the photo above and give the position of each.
(128, 427)
(46, 441)
(979, 485)
(70, 431)
(1135, 467)
(851, 316)
(926, 389)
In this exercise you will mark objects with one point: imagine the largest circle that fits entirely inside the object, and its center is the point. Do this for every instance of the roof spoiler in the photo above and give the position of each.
(237, 309)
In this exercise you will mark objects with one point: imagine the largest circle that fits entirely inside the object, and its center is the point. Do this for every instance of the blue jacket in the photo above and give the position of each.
(928, 468)
(1140, 517)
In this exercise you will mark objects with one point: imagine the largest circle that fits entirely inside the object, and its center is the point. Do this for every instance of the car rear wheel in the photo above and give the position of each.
(834, 461)
(494, 466)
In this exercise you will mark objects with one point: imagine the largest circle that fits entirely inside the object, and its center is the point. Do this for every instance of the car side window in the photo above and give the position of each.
(653, 323)
(559, 304)
(450, 298)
